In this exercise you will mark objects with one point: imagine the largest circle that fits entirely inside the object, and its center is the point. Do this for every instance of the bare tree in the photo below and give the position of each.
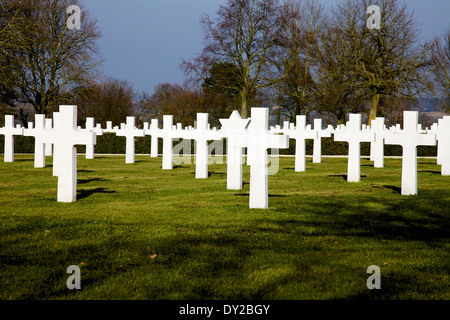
(243, 34)
(295, 55)
(48, 61)
(111, 100)
(441, 71)
(385, 61)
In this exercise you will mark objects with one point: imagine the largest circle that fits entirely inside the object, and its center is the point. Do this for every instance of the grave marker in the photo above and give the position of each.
(130, 132)
(235, 131)
(321, 133)
(259, 140)
(98, 131)
(168, 133)
(64, 137)
(48, 146)
(354, 136)
(300, 133)
(9, 131)
(377, 146)
(201, 135)
(443, 137)
(39, 134)
(409, 138)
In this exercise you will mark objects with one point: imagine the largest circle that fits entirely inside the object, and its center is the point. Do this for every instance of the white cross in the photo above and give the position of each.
(377, 146)
(130, 132)
(98, 131)
(9, 131)
(409, 139)
(55, 153)
(300, 133)
(39, 135)
(259, 140)
(235, 131)
(436, 129)
(184, 146)
(64, 137)
(354, 136)
(109, 128)
(168, 133)
(317, 147)
(443, 137)
(48, 146)
(153, 131)
(202, 134)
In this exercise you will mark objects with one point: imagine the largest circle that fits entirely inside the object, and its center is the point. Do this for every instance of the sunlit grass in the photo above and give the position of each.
(139, 232)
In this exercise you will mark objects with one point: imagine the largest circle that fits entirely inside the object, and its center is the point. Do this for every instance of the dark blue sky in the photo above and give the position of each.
(144, 41)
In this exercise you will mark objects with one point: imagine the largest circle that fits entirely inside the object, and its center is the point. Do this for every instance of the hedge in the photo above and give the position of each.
(112, 144)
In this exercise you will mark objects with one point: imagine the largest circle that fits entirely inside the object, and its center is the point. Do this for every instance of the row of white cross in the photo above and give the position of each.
(252, 134)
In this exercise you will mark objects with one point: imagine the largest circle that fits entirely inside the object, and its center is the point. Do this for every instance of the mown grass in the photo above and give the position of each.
(138, 232)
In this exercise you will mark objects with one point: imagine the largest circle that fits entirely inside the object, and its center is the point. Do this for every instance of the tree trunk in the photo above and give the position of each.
(243, 105)
(374, 107)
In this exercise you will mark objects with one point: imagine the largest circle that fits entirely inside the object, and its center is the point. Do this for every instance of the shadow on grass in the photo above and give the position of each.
(270, 195)
(430, 171)
(344, 176)
(84, 181)
(416, 218)
(81, 194)
(180, 167)
(210, 173)
(397, 190)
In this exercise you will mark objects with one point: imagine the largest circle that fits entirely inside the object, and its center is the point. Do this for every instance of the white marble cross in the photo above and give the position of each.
(168, 133)
(409, 139)
(377, 146)
(300, 133)
(153, 131)
(55, 153)
(201, 135)
(48, 146)
(98, 131)
(235, 131)
(354, 136)
(64, 137)
(443, 137)
(110, 128)
(39, 134)
(317, 146)
(9, 131)
(436, 129)
(259, 140)
(130, 132)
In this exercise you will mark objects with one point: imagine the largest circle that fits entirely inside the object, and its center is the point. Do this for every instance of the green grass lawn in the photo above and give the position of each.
(138, 232)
